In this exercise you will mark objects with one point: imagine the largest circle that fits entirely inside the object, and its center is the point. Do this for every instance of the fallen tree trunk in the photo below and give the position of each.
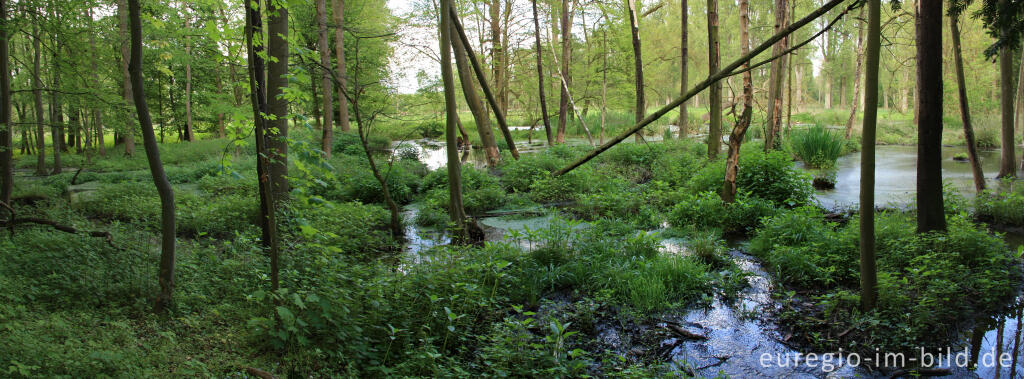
(725, 72)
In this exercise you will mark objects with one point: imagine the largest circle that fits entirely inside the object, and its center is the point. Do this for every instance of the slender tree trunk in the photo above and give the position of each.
(856, 77)
(97, 119)
(129, 132)
(1019, 118)
(563, 101)
(277, 83)
(604, 78)
(56, 118)
(326, 85)
(715, 94)
(930, 211)
(499, 110)
(540, 75)
(868, 280)
(483, 121)
(163, 186)
(736, 138)
(339, 51)
(258, 99)
(965, 110)
(190, 133)
(1007, 159)
(638, 64)
(684, 74)
(498, 63)
(37, 97)
(455, 207)
(6, 129)
(774, 116)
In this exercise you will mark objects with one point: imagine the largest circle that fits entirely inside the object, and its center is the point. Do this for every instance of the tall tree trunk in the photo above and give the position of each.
(739, 131)
(774, 116)
(190, 133)
(563, 101)
(96, 114)
(258, 99)
(129, 132)
(868, 280)
(455, 207)
(930, 212)
(7, 129)
(1007, 159)
(339, 51)
(604, 78)
(163, 186)
(540, 75)
(277, 105)
(483, 120)
(326, 85)
(638, 64)
(37, 97)
(715, 94)
(498, 65)
(965, 110)
(56, 117)
(856, 77)
(684, 72)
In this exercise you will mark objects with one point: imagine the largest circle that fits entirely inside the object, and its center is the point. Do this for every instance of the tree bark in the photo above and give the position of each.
(856, 77)
(455, 208)
(540, 76)
(37, 97)
(129, 132)
(258, 99)
(638, 63)
(774, 116)
(563, 101)
(684, 75)
(1007, 159)
(930, 213)
(965, 110)
(868, 279)
(483, 121)
(326, 85)
(156, 168)
(277, 83)
(739, 131)
(6, 130)
(190, 133)
(339, 51)
(715, 95)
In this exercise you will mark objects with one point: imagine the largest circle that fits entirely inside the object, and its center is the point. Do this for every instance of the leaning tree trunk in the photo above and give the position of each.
(277, 105)
(684, 47)
(715, 94)
(483, 120)
(258, 98)
(163, 186)
(868, 279)
(540, 76)
(1007, 159)
(126, 89)
(455, 208)
(638, 64)
(930, 210)
(856, 77)
(965, 110)
(339, 51)
(326, 86)
(739, 131)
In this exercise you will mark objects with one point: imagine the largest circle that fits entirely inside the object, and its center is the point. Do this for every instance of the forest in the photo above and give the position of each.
(511, 188)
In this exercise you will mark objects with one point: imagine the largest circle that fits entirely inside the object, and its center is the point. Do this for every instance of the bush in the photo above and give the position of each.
(1005, 207)
(348, 143)
(707, 211)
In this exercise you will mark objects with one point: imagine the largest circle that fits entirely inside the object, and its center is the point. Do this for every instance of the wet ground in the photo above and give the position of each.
(741, 334)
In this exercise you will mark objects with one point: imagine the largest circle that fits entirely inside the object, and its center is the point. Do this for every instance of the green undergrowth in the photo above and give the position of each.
(926, 282)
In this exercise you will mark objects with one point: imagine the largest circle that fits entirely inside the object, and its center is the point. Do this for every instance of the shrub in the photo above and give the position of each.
(817, 146)
(1005, 207)
(707, 211)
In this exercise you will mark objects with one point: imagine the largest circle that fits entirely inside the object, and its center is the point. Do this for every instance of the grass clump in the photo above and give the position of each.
(817, 146)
